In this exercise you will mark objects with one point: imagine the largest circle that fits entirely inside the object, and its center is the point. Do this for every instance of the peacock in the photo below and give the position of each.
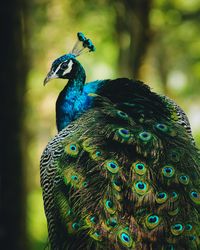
(123, 170)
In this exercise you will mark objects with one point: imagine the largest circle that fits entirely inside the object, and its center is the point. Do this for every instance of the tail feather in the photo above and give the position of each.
(122, 181)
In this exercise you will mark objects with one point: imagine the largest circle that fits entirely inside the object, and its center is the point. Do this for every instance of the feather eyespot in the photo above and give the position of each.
(188, 227)
(168, 171)
(145, 136)
(194, 194)
(162, 127)
(161, 197)
(195, 197)
(75, 226)
(85, 184)
(110, 206)
(117, 184)
(72, 150)
(139, 168)
(174, 212)
(152, 221)
(175, 196)
(93, 219)
(112, 166)
(177, 229)
(192, 237)
(175, 155)
(122, 114)
(98, 153)
(125, 238)
(124, 133)
(184, 179)
(111, 222)
(141, 187)
(74, 178)
(76, 181)
(96, 235)
(73, 147)
(95, 155)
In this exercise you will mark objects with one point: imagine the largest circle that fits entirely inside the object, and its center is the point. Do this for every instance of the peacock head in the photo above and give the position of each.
(66, 66)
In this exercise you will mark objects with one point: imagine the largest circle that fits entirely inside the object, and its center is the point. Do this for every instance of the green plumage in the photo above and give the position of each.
(124, 175)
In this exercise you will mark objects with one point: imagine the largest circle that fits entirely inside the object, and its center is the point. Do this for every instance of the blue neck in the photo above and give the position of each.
(65, 105)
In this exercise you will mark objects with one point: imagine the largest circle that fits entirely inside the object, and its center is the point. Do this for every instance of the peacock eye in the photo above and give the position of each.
(177, 229)
(64, 65)
(152, 221)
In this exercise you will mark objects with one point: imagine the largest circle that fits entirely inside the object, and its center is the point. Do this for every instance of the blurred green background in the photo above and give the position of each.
(157, 41)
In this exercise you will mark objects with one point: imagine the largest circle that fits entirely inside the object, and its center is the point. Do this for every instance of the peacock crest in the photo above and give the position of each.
(82, 44)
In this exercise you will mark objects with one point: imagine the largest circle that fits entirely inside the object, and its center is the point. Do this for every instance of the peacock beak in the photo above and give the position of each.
(51, 75)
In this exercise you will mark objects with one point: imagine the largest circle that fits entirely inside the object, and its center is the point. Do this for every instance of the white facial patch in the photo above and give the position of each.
(69, 68)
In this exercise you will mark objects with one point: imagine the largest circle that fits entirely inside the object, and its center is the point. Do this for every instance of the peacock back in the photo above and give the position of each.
(123, 175)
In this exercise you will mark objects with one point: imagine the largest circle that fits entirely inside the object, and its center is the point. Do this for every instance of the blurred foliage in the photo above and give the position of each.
(171, 65)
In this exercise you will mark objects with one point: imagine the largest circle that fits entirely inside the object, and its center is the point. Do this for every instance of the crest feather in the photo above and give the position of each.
(83, 44)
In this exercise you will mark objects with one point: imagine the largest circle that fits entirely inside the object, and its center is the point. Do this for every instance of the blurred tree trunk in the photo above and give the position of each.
(133, 34)
(13, 68)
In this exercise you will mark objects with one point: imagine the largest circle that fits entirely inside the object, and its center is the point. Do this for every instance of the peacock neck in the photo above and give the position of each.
(65, 105)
